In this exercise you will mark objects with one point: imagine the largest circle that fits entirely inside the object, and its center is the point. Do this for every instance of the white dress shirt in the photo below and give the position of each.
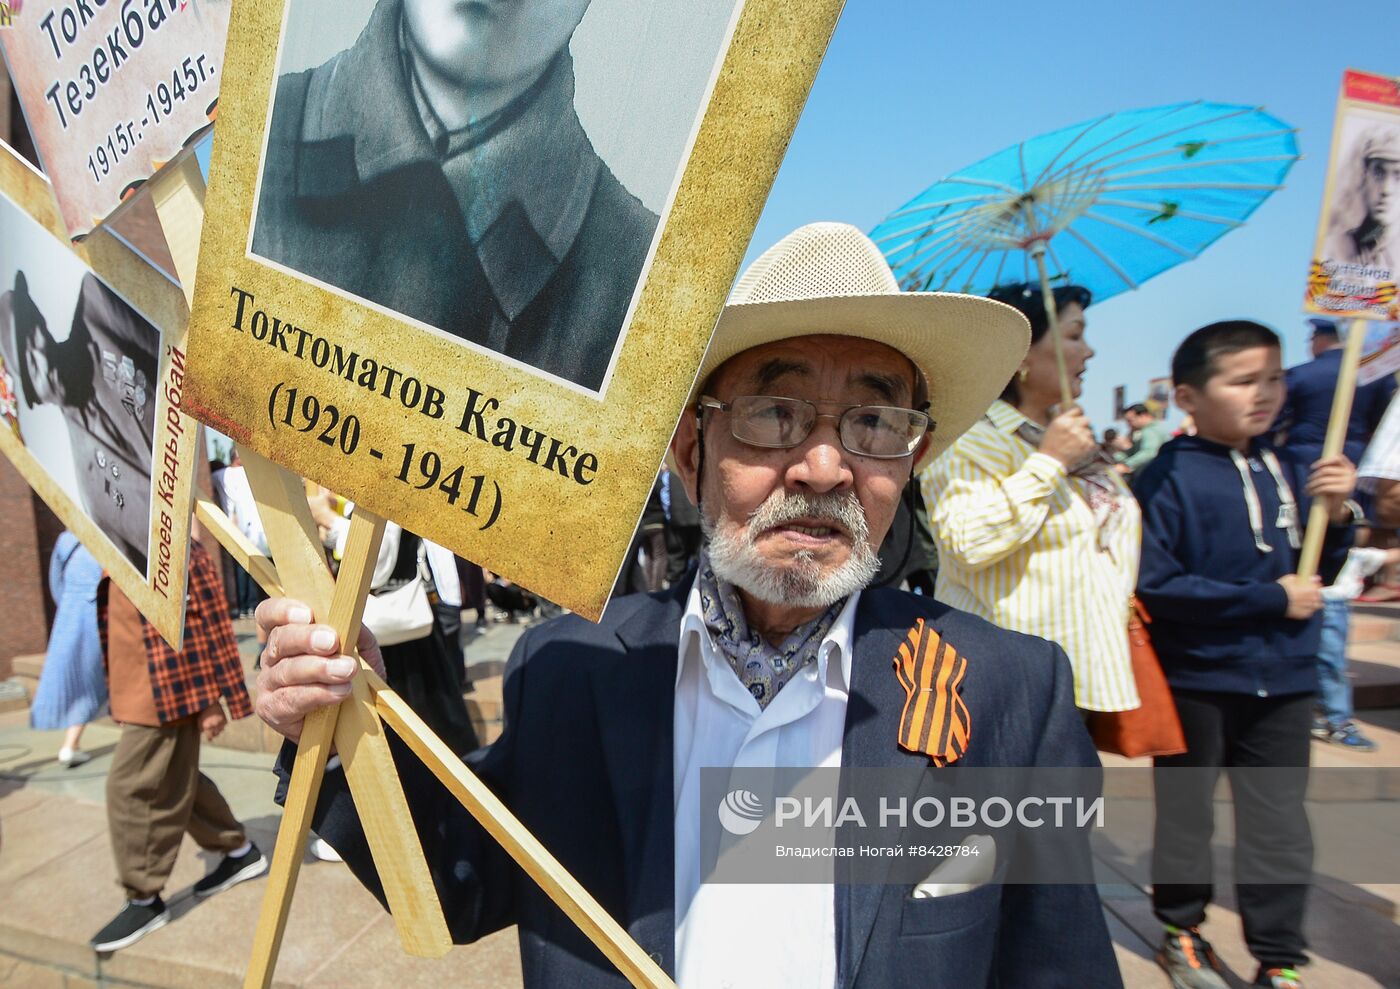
(1381, 461)
(752, 936)
(443, 566)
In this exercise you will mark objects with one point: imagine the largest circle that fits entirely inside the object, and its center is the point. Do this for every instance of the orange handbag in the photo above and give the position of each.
(1152, 728)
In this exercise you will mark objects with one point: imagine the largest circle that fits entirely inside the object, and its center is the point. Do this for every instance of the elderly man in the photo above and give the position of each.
(818, 397)
(437, 168)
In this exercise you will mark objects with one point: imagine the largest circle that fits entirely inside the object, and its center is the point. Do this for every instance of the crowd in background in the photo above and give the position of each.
(1029, 520)
(986, 528)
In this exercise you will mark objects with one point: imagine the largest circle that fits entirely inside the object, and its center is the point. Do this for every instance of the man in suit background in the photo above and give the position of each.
(1302, 422)
(437, 168)
(817, 399)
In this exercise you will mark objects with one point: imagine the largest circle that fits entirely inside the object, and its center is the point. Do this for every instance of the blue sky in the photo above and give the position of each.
(912, 90)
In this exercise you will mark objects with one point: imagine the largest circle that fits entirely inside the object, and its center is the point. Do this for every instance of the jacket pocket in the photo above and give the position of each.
(941, 914)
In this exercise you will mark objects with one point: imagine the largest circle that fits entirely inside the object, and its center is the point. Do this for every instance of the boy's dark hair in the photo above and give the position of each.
(1194, 361)
(1137, 409)
(1027, 298)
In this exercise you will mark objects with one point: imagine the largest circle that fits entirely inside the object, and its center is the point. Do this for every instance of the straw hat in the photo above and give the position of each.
(829, 278)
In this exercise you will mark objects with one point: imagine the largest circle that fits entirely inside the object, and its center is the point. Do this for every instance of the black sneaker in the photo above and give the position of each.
(1189, 960)
(131, 925)
(232, 871)
(1278, 978)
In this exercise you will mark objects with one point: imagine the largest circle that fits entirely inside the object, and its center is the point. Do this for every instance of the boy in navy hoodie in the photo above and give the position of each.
(1237, 632)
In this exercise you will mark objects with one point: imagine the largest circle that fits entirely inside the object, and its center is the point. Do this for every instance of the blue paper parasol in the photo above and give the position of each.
(1106, 204)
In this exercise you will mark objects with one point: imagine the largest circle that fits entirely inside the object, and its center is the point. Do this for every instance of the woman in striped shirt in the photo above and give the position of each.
(1035, 530)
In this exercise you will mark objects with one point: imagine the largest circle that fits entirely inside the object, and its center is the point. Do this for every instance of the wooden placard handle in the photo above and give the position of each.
(355, 725)
(557, 882)
(1332, 444)
(178, 196)
(238, 546)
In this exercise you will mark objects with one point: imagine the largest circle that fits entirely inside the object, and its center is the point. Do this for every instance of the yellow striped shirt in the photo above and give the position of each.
(1019, 545)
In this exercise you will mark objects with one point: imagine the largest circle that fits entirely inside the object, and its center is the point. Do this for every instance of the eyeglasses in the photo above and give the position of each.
(878, 431)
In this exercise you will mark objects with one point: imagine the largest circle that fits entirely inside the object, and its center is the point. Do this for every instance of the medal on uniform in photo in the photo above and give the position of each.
(91, 375)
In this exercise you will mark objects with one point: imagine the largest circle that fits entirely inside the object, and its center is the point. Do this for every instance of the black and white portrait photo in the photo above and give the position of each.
(494, 170)
(1363, 223)
(81, 365)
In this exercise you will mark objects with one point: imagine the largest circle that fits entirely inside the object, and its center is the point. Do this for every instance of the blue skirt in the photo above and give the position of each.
(73, 684)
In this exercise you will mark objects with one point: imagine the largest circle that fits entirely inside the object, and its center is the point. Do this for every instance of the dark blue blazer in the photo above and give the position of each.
(585, 761)
(1309, 405)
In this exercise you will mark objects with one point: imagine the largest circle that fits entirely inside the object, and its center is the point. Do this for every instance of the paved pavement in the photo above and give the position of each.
(60, 886)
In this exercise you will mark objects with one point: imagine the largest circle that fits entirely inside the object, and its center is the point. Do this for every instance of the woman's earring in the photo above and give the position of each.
(1023, 374)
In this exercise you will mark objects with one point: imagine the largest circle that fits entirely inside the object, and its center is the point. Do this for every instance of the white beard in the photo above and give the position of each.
(735, 559)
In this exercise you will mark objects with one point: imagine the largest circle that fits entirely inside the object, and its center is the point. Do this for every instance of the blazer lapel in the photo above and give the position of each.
(872, 725)
(634, 696)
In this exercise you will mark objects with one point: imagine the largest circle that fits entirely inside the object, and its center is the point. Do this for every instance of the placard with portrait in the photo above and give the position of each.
(461, 260)
(112, 91)
(91, 378)
(1356, 256)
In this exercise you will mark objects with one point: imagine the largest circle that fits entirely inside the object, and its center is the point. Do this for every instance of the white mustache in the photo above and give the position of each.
(842, 511)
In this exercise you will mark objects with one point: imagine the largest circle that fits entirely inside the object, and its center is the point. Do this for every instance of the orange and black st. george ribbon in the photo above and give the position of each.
(935, 721)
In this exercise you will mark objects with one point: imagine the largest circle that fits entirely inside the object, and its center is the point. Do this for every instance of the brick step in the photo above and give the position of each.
(1374, 668)
(14, 695)
(1377, 609)
(27, 666)
(1377, 621)
(1368, 628)
(23, 680)
(484, 669)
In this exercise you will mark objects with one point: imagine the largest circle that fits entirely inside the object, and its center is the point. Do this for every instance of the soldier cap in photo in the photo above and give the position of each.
(1381, 144)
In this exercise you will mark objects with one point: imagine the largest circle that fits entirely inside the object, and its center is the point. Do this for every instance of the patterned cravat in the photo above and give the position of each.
(762, 669)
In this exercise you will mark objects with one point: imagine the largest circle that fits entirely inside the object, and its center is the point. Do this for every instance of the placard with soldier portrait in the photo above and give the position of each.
(1356, 259)
(461, 260)
(91, 375)
(113, 91)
